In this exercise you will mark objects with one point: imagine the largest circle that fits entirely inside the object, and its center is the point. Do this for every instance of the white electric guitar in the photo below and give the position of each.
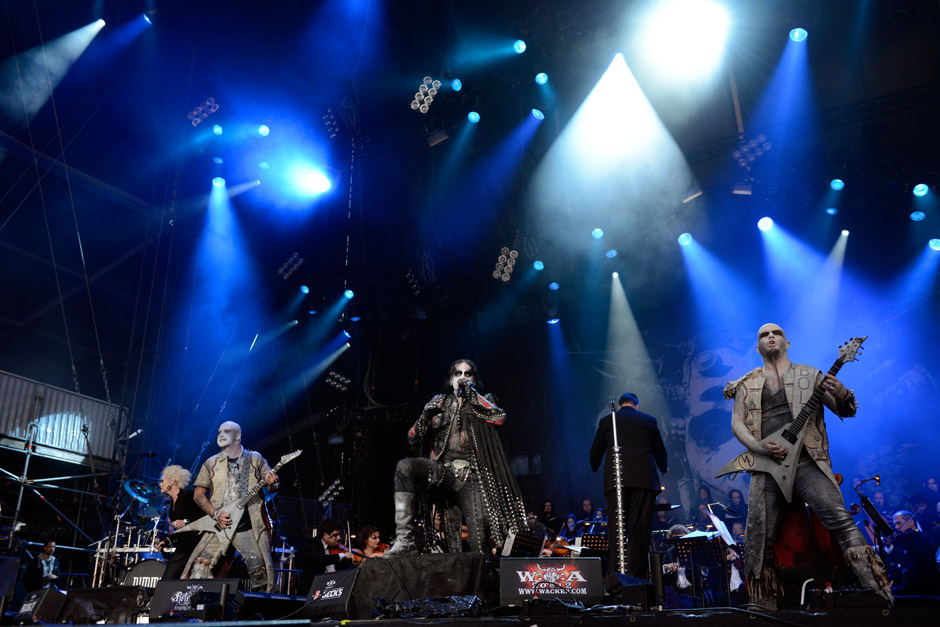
(235, 510)
(791, 435)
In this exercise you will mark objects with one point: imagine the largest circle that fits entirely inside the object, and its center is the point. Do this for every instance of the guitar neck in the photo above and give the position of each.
(242, 502)
(811, 405)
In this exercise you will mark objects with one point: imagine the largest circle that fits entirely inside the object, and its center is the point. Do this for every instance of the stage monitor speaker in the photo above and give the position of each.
(174, 597)
(411, 577)
(118, 604)
(567, 578)
(627, 590)
(266, 605)
(331, 595)
(9, 570)
(40, 606)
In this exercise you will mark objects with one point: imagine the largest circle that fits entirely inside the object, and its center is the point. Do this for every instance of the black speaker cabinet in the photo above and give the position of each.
(266, 605)
(627, 590)
(174, 597)
(331, 596)
(42, 605)
(118, 604)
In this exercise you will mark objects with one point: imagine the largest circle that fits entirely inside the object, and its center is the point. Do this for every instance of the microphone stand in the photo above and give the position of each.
(618, 477)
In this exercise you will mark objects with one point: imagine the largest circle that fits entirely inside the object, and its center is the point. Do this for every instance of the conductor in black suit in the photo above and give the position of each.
(642, 452)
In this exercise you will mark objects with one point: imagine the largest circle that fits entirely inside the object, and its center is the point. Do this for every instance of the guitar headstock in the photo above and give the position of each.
(848, 351)
(288, 457)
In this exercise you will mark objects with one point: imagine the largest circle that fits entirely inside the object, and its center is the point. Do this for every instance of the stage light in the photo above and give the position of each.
(832, 211)
(102, 22)
(312, 312)
(456, 84)
(685, 239)
(610, 254)
(615, 275)
(538, 265)
(355, 319)
(553, 286)
(686, 37)
(553, 320)
(217, 129)
(845, 232)
(147, 19)
(304, 289)
(837, 184)
(934, 244)
(765, 224)
(310, 181)
(597, 233)
(264, 165)
(263, 130)
(218, 181)
(474, 117)
(347, 334)
(798, 34)
(217, 160)
(917, 216)
(518, 46)
(538, 115)
(541, 78)
(921, 189)
(349, 294)
(505, 264)
(425, 94)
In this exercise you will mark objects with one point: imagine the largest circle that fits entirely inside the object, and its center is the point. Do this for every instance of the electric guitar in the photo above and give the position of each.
(235, 510)
(791, 435)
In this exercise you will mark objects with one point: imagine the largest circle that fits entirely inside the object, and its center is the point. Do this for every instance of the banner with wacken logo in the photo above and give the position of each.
(570, 579)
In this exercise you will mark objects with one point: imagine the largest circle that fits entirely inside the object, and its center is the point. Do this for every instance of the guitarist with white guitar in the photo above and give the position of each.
(233, 479)
(778, 417)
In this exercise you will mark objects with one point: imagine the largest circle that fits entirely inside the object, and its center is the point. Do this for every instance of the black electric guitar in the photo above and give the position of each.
(235, 510)
(791, 435)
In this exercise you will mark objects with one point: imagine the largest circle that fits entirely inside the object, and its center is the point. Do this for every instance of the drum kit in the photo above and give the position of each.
(129, 554)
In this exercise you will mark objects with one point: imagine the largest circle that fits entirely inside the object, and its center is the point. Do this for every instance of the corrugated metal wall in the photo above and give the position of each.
(57, 414)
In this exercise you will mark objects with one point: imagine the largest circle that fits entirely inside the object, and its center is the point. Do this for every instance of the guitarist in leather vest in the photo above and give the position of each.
(226, 478)
(765, 400)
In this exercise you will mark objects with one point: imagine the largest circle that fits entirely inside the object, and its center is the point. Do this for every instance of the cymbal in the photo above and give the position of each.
(142, 491)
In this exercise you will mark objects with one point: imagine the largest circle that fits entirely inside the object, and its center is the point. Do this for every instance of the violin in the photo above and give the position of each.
(357, 555)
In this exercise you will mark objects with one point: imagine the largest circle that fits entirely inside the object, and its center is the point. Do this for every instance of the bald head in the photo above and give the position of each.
(768, 328)
(772, 342)
(230, 434)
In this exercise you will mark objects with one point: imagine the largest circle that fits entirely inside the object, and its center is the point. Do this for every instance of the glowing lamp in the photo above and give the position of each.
(832, 211)
(685, 239)
(217, 129)
(553, 320)
(610, 254)
(518, 46)
(553, 286)
(263, 130)
(765, 224)
(921, 189)
(538, 115)
(798, 35)
(917, 216)
(456, 84)
(538, 265)
(541, 78)
(349, 294)
(837, 184)
(304, 289)
(218, 181)
(934, 244)
(474, 117)
(597, 233)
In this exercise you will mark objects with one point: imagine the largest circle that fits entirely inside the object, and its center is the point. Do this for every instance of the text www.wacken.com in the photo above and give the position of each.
(547, 591)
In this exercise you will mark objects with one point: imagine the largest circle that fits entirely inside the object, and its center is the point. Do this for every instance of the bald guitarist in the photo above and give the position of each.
(778, 416)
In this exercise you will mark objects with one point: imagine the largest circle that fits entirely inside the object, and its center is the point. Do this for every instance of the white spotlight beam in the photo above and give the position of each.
(28, 79)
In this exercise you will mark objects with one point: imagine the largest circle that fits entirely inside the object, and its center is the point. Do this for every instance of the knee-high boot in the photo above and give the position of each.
(404, 525)
(870, 572)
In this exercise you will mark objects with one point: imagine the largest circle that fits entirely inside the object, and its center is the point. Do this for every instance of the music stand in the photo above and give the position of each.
(701, 549)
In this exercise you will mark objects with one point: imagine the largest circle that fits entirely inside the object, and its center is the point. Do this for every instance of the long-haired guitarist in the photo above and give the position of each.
(766, 400)
(223, 480)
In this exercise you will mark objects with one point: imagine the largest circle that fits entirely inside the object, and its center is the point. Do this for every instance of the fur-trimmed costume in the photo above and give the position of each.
(815, 483)
(251, 541)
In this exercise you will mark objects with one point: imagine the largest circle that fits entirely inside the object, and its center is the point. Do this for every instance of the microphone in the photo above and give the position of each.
(131, 436)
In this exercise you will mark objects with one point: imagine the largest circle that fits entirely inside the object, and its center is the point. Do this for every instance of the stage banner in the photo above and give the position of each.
(176, 595)
(569, 579)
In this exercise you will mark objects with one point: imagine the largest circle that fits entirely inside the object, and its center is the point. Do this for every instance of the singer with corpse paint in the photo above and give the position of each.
(227, 477)
(642, 452)
(766, 401)
(460, 454)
